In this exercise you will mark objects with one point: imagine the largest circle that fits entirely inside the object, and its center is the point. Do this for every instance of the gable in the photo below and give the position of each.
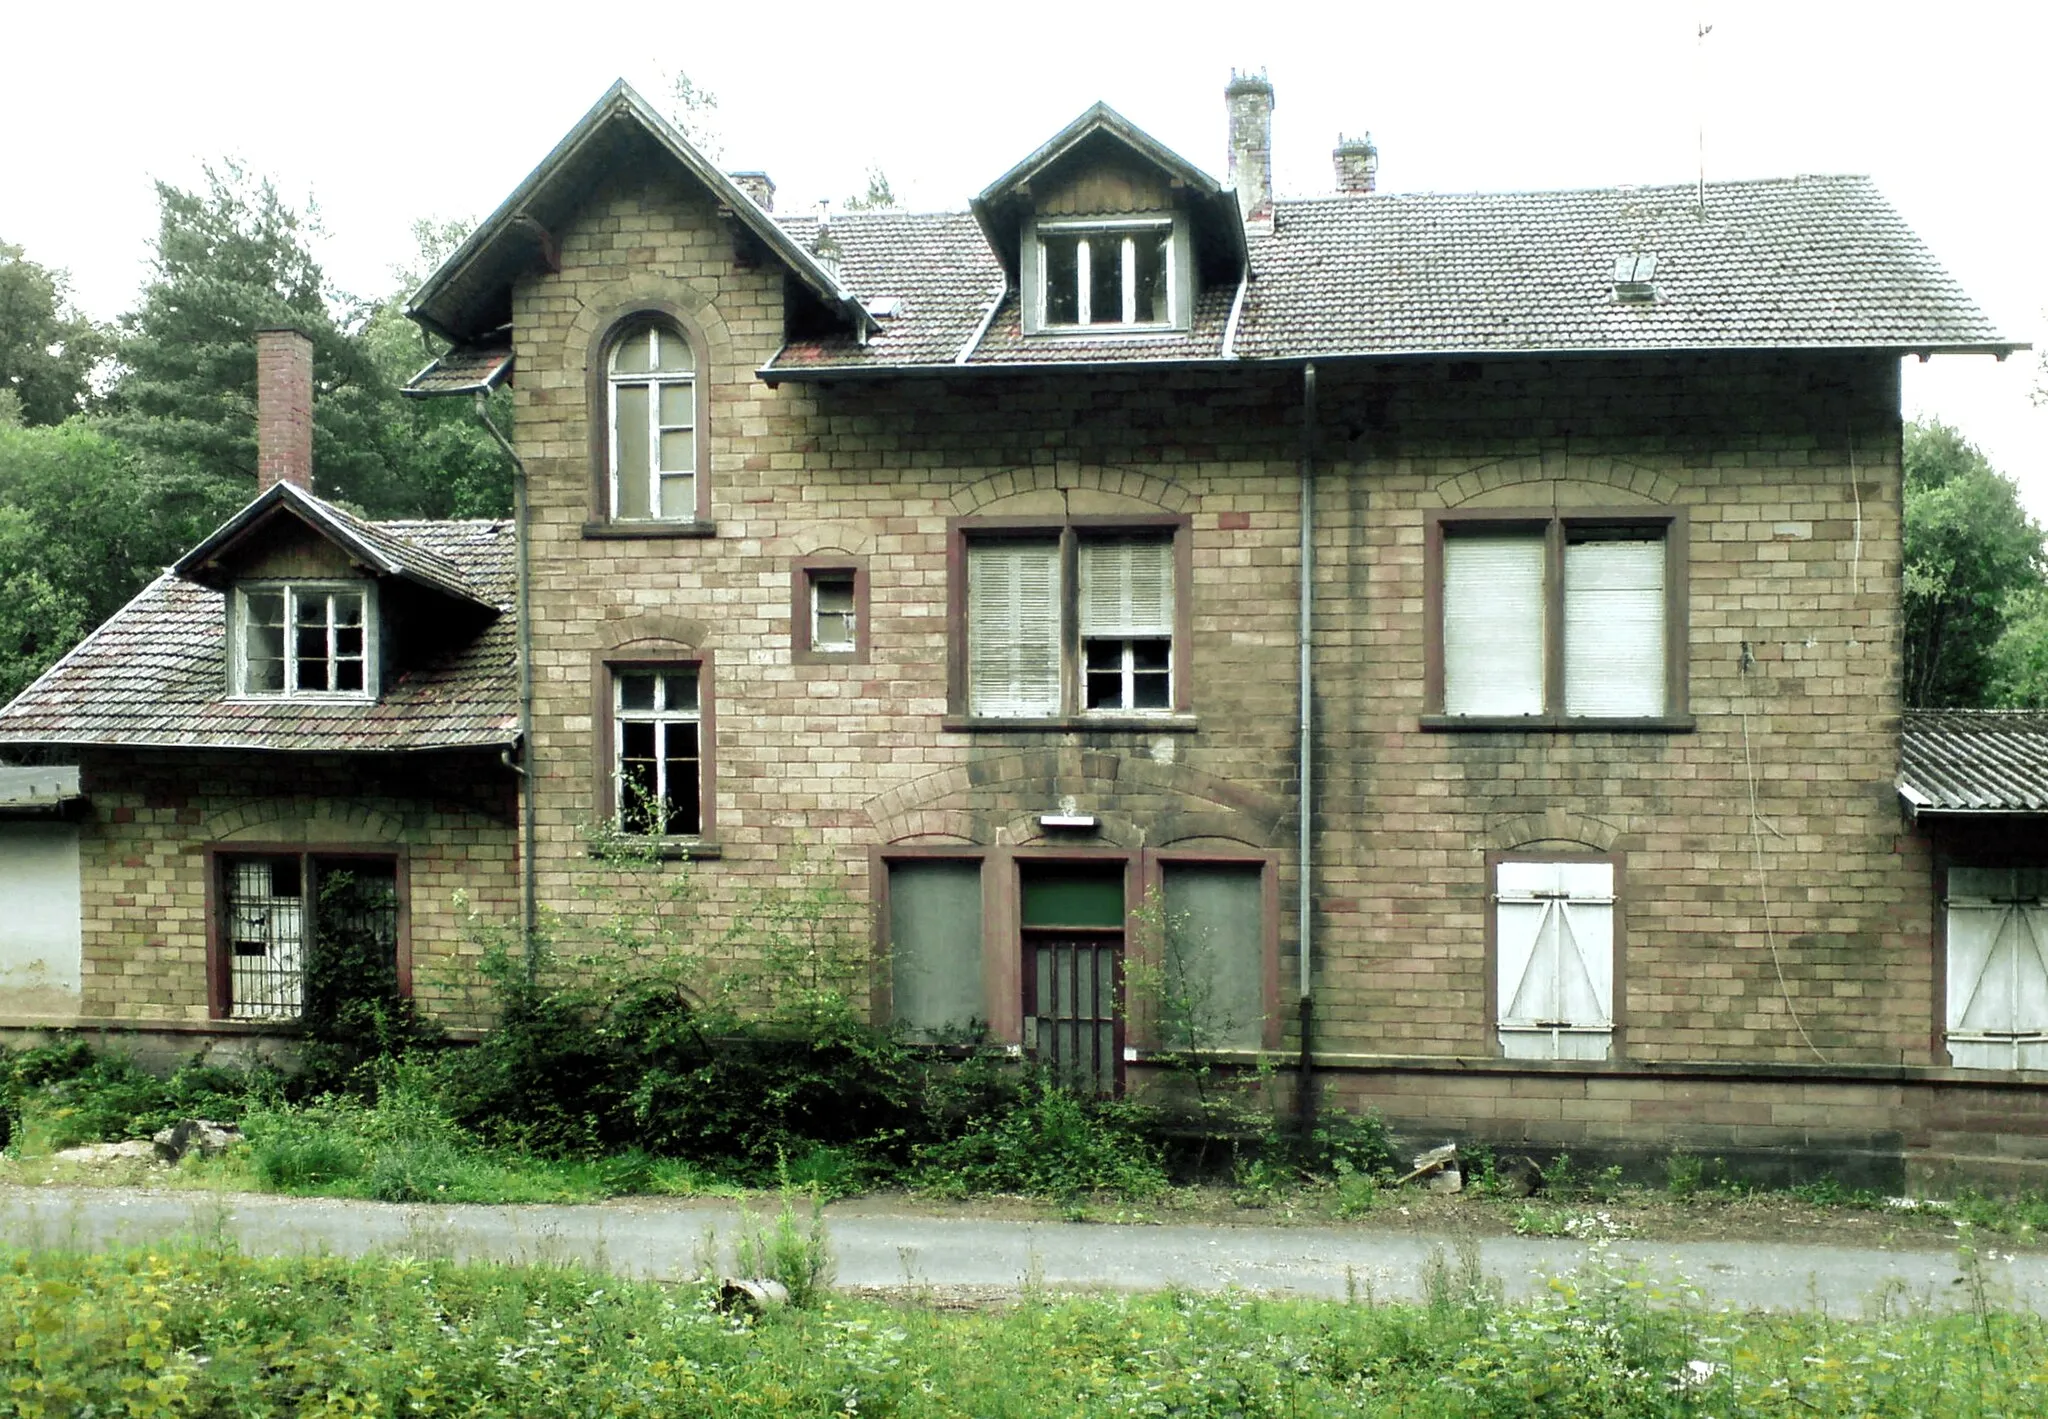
(284, 549)
(1113, 185)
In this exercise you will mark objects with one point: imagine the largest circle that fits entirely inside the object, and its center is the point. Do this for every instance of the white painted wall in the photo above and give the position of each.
(41, 923)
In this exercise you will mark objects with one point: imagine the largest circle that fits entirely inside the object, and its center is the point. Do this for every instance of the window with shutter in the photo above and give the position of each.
(935, 964)
(1614, 628)
(1493, 625)
(1127, 623)
(1213, 993)
(1070, 622)
(1559, 621)
(1013, 628)
(1554, 959)
(1997, 934)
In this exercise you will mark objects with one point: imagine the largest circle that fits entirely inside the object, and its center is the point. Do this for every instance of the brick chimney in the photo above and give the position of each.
(1358, 163)
(1249, 98)
(757, 185)
(284, 409)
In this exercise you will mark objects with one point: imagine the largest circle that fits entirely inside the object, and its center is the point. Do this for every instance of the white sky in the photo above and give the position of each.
(382, 113)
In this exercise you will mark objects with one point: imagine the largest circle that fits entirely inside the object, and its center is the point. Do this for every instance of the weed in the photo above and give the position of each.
(1684, 1176)
(794, 1251)
(1052, 1144)
(1357, 1193)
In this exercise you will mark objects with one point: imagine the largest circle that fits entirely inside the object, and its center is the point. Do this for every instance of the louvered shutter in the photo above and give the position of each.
(1614, 629)
(1493, 625)
(1554, 944)
(1126, 587)
(1997, 969)
(1013, 628)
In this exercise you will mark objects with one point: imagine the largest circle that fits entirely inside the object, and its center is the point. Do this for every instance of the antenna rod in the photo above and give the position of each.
(1700, 96)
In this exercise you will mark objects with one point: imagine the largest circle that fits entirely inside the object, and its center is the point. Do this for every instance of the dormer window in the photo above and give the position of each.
(304, 641)
(1108, 274)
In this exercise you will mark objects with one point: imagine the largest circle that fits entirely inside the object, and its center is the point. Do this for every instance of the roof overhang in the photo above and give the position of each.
(813, 374)
(469, 294)
(1219, 226)
(50, 792)
(465, 369)
(376, 552)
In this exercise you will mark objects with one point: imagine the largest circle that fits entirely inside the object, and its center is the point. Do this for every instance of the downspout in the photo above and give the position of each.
(1304, 1087)
(529, 909)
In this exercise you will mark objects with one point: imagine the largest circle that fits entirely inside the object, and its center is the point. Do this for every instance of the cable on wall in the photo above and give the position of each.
(1763, 886)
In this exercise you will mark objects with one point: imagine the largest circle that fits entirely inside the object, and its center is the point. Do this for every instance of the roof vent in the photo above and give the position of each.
(1633, 275)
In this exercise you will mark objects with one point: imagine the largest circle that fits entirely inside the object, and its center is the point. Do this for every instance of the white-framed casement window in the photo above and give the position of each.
(834, 624)
(657, 752)
(1997, 935)
(1026, 625)
(1106, 274)
(653, 395)
(305, 640)
(1559, 621)
(1553, 937)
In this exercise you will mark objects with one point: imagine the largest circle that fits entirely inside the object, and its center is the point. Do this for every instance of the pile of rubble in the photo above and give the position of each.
(1441, 1169)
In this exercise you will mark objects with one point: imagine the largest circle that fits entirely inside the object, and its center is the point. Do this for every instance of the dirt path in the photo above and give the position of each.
(882, 1247)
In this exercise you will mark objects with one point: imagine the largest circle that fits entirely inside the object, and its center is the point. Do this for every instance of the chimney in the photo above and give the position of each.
(284, 409)
(1358, 164)
(757, 185)
(1249, 98)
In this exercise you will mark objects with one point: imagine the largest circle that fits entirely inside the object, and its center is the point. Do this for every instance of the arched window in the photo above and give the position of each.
(652, 381)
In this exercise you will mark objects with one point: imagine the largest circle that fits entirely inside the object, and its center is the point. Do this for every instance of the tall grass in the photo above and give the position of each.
(209, 1331)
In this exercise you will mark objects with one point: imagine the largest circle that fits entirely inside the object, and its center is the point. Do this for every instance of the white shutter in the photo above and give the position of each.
(1126, 587)
(1493, 625)
(1013, 628)
(1997, 970)
(1554, 948)
(1614, 629)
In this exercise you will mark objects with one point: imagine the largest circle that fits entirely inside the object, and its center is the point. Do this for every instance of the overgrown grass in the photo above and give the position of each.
(209, 1331)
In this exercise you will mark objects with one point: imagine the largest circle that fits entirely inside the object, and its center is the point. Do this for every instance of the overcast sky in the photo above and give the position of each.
(383, 113)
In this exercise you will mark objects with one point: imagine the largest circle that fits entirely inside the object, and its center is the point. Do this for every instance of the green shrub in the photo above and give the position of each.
(793, 1251)
(66, 1093)
(1051, 1144)
(415, 1170)
(305, 1157)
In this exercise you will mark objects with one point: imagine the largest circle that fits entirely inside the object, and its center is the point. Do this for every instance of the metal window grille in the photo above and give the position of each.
(266, 918)
(1074, 985)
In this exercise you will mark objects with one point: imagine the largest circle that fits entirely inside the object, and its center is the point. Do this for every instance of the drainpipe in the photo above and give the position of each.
(1304, 1096)
(529, 910)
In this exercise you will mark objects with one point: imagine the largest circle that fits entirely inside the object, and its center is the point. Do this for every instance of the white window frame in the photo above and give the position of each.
(1071, 636)
(655, 381)
(660, 718)
(1997, 1005)
(1580, 920)
(1130, 229)
(819, 579)
(292, 591)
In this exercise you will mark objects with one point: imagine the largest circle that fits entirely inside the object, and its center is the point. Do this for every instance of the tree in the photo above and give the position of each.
(230, 261)
(83, 525)
(47, 348)
(879, 196)
(1969, 549)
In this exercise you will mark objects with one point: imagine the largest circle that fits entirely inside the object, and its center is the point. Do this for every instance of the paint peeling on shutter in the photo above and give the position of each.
(1614, 629)
(1126, 587)
(1554, 943)
(1493, 625)
(1013, 629)
(1997, 969)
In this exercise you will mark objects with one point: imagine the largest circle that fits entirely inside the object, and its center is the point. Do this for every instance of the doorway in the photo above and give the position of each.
(1072, 918)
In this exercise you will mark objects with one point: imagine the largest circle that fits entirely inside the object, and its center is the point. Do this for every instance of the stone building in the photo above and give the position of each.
(1455, 638)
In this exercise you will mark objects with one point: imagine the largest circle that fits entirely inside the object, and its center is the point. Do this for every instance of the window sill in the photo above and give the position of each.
(1133, 333)
(301, 699)
(630, 531)
(663, 849)
(1120, 723)
(1558, 724)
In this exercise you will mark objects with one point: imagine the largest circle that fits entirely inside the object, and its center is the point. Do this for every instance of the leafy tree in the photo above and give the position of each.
(2019, 658)
(83, 525)
(230, 261)
(878, 197)
(47, 348)
(1969, 548)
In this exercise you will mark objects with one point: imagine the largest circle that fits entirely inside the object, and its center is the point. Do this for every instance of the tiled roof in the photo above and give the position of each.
(1974, 761)
(155, 674)
(465, 369)
(1808, 262)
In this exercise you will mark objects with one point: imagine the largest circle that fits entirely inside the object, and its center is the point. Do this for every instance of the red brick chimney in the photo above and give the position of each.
(284, 409)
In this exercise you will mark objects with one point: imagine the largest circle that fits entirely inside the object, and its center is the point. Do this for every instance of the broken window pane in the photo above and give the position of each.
(1062, 280)
(1106, 279)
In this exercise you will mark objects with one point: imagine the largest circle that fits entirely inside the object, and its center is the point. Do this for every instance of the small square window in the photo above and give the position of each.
(828, 611)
